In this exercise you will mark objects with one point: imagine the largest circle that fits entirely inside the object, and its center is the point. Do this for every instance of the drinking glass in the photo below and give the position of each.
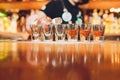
(47, 30)
(60, 31)
(72, 30)
(85, 30)
(35, 29)
(98, 32)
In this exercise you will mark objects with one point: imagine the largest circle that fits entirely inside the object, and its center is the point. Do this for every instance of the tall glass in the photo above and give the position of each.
(85, 30)
(98, 32)
(72, 30)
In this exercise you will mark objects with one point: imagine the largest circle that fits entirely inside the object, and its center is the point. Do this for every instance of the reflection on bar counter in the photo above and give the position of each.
(27, 60)
(61, 54)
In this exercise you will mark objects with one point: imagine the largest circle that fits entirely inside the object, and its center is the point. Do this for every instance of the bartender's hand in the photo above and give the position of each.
(57, 20)
(39, 18)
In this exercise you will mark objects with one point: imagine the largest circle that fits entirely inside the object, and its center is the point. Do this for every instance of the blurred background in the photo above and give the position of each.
(13, 14)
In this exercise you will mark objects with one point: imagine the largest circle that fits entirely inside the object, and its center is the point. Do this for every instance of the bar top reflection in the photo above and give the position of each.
(26, 60)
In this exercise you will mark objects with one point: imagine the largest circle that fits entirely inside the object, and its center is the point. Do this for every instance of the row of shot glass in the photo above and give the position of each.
(67, 32)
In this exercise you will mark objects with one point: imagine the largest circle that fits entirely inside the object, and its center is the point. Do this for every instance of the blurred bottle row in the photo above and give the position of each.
(17, 23)
(110, 19)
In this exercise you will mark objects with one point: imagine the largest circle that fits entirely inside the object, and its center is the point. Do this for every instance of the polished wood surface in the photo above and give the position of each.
(29, 60)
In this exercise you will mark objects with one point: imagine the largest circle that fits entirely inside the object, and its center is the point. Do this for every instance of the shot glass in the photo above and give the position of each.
(47, 31)
(60, 32)
(98, 32)
(85, 30)
(72, 31)
(35, 32)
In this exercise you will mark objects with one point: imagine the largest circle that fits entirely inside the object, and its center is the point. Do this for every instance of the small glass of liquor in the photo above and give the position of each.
(72, 31)
(35, 32)
(60, 31)
(98, 32)
(47, 31)
(85, 30)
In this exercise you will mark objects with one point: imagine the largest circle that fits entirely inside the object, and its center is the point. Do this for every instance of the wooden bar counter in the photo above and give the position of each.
(29, 60)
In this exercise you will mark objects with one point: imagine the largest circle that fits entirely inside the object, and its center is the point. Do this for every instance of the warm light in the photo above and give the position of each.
(2, 14)
(117, 10)
(112, 10)
(3, 55)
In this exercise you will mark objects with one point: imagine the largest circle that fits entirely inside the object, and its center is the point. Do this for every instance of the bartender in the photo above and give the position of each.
(58, 11)
(68, 10)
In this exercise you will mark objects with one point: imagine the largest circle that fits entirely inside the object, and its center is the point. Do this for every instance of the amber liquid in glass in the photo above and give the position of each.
(98, 33)
(72, 33)
(85, 32)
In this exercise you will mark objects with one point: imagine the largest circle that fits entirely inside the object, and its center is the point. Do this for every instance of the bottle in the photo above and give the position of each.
(79, 18)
